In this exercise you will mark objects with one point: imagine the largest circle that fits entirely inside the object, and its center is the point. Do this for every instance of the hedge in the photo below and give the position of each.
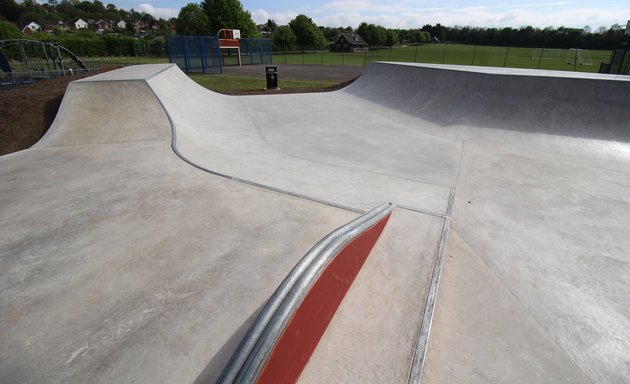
(107, 45)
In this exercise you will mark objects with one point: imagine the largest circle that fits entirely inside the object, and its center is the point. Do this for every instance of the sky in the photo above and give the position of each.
(414, 14)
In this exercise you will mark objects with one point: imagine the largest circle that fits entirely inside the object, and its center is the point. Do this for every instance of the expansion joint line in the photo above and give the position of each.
(419, 356)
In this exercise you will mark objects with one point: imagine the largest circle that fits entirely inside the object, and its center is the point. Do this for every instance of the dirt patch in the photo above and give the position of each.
(27, 113)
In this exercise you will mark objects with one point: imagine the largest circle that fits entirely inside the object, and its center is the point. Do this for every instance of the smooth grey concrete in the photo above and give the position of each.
(318, 145)
(536, 289)
(553, 231)
(372, 336)
(122, 263)
(482, 334)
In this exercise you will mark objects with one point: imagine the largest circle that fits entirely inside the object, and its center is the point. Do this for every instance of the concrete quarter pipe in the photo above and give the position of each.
(144, 232)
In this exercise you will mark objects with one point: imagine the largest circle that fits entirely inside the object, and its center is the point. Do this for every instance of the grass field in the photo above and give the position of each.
(554, 59)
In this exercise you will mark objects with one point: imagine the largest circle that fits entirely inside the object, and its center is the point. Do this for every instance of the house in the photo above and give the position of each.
(101, 25)
(79, 24)
(50, 26)
(121, 24)
(155, 25)
(140, 25)
(264, 29)
(349, 42)
(31, 28)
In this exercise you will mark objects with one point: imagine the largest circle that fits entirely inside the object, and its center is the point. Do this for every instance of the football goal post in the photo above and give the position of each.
(579, 57)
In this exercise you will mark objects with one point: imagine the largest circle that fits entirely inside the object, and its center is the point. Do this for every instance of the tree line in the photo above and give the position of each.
(301, 33)
(562, 37)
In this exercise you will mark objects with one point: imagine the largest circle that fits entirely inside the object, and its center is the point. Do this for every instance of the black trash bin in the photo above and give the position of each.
(272, 77)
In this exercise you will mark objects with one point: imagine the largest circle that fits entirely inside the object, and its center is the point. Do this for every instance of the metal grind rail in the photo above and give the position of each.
(259, 357)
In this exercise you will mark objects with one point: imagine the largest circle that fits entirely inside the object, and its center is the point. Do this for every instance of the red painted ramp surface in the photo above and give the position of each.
(304, 330)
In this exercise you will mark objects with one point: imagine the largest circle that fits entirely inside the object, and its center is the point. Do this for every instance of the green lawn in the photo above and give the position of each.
(555, 59)
(239, 83)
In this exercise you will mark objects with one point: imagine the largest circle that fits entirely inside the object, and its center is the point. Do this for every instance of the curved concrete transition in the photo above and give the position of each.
(142, 235)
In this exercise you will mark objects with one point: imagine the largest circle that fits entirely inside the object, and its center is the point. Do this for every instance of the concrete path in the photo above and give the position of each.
(132, 254)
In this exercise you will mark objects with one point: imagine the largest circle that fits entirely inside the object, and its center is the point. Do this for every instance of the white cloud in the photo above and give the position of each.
(260, 16)
(165, 13)
(474, 16)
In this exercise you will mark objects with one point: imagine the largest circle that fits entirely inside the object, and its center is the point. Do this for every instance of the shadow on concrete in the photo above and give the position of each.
(547, 102)
(215, 366)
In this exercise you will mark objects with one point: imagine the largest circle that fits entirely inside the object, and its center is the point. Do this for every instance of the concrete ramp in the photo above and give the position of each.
(318, 146)
(143, 234)
(122, 263)
(591, 106)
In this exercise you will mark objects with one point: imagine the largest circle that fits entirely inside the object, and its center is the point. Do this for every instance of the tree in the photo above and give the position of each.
(229, 14)
(283, 38)
(272, 25)
(8, 30)
(418, 36)
(391, 38)
(306, 32)
(10, 9)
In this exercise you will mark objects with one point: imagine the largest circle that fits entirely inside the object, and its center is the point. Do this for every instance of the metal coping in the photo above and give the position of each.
(249, 358)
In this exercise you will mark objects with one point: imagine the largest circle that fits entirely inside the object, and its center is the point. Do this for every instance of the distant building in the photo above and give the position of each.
(80, 24)
(50, 26)
(30, 28)
(264, 29)
(121, 24)
(349, 42)
(101, 25)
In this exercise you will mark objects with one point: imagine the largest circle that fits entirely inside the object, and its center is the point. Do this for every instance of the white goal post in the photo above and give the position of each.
(579, 56)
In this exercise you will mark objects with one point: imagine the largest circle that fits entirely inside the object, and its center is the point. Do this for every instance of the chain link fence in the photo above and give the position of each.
(549, 58)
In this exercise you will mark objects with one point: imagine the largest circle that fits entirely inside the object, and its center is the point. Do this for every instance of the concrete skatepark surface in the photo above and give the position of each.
(145, 230)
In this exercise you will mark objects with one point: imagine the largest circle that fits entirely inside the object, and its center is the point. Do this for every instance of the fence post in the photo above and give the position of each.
(186, 54)
(474, 53)
(507, 52)
(204, 64)
(415, 56)
(443, 52)
(575, 61)
(542, 51)
(168, 48)
(390, 53)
